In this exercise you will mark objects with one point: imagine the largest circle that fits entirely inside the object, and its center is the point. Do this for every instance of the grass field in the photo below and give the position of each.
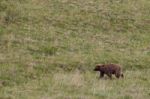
(48, 48)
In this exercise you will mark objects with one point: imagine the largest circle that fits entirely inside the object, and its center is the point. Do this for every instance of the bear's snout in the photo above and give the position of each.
(96, 69)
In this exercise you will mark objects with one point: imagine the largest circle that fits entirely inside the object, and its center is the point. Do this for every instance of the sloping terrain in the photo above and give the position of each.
(48, 48)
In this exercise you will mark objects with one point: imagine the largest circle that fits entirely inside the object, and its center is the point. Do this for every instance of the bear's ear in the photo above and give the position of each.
(98, 65)
(103, 65)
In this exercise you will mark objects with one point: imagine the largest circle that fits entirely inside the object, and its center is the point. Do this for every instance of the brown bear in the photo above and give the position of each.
(109, 69)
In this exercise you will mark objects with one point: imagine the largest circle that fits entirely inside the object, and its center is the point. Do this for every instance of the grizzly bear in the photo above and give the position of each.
(109, 69)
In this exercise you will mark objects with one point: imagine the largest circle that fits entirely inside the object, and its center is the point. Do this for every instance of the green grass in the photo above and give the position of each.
(48, 48)
(78, 85)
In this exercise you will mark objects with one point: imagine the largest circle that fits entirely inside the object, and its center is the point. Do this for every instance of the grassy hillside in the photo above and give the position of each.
(48, 48)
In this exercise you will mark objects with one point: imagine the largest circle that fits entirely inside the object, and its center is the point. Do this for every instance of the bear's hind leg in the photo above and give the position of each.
(122, 75)
(117, 75)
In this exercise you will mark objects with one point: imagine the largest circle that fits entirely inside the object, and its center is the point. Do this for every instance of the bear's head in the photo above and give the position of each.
(98, 67)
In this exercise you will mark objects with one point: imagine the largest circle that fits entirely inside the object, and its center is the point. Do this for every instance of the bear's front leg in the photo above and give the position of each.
(101, 74)
(109, 75)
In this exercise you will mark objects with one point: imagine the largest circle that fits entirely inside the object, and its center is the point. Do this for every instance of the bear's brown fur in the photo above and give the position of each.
(109, 69)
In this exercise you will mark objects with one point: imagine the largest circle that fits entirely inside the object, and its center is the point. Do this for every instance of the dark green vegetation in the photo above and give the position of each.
(48, 48)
